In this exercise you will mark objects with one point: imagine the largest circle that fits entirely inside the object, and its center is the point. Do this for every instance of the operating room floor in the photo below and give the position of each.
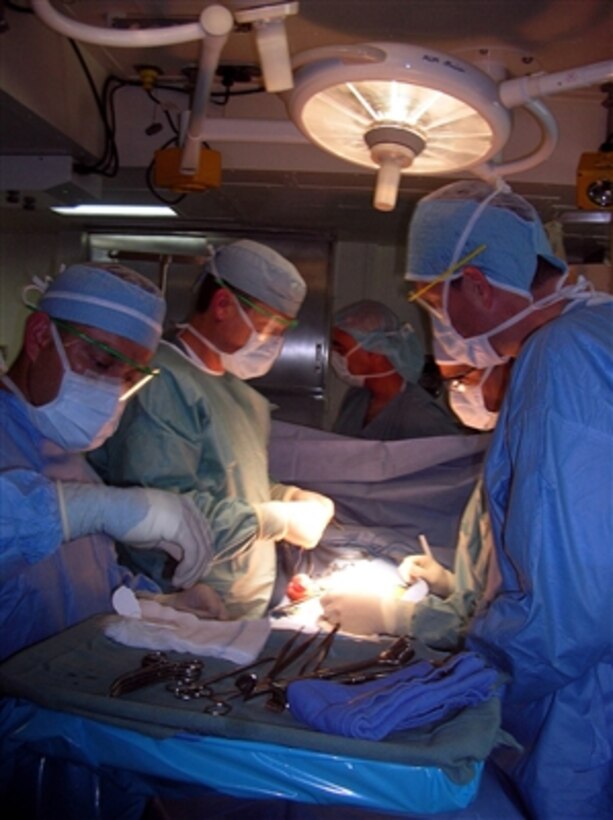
(494, 801)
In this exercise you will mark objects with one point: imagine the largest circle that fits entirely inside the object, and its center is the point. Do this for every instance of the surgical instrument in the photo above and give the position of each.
(155, 667)
(195, 688)
(396, 655)
(423, 543)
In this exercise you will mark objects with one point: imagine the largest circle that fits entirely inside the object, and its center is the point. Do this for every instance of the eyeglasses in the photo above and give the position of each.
(417, 294)
(460, 378)
(282, 323)
(147, 372)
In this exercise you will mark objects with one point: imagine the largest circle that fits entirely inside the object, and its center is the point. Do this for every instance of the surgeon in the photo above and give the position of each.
(382, 362)
(484, 270)
(200, 431)
(86, 348)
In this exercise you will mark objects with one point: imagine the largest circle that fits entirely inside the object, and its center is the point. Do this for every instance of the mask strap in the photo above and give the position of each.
(349, 353)
(37, 284)
(486, 374)
(532, 307)
(379, 375)
(500, 187)
(60, 349)
(12, 387)
(457, 263)
(246, 318)
(202, 339)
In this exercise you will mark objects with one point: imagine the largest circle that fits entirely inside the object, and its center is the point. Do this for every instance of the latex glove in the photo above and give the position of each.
(300, 522)
(439, 579)
(141, 517)
(201, 600)
(296, 494)
(306, 522)
(363, 613)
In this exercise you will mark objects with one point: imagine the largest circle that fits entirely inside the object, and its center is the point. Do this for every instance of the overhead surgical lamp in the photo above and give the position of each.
(403, 109)
(213, 28)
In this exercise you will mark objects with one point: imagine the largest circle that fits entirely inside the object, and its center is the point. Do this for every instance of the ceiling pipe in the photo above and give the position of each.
(520, 90)
(134, 38)
(217, 23)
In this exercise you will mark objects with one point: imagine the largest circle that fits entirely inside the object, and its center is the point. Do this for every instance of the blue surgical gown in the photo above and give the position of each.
(549, 480)
(205, 435)
(45, 585)
(412, 413)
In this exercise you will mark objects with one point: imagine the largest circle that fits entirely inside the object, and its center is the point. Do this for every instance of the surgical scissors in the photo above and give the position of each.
(193, 689)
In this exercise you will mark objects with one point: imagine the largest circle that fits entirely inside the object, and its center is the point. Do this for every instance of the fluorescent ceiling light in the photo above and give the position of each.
(115, 210)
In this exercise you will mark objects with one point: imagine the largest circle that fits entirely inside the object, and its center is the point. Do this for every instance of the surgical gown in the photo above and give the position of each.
(45, 585)
(549, 480)
(412, 413)
(190, 431)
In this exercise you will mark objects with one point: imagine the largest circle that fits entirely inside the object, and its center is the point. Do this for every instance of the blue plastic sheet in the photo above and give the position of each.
(235, 767)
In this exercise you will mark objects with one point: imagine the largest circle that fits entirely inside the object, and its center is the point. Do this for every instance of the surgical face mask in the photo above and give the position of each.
(340, 365)
(451, 346)
(467, 402)
(254, 358)
(85, 412)
(341, 368)
(477, 351)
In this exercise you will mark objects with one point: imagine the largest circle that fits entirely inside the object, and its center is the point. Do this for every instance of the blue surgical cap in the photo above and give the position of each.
(262, 273)
(110, 297)
(377, 329)
(441, 235)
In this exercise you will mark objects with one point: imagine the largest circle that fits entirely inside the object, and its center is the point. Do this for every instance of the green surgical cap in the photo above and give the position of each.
(262, 273)
(377, 329)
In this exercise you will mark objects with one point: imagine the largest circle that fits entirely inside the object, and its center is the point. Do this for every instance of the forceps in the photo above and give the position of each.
(196, 689)
(155, 667)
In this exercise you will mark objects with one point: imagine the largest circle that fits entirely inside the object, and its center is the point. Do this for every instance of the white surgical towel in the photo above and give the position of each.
(150, 625)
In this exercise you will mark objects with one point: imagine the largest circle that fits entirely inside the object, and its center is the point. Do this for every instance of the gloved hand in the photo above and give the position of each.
(306, 522)
(439, 579)
(141, 517)
(363, 613)
(300, 522)
(297, 494)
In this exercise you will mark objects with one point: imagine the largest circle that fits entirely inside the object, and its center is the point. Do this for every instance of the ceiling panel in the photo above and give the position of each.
(320, 196)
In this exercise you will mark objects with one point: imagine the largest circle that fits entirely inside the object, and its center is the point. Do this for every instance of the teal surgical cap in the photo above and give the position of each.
(454, 222)
(110, 297)
(377, 329)
(262, 273)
